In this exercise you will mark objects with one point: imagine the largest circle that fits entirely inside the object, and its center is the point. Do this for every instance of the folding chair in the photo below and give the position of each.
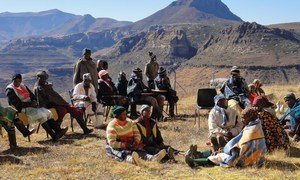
(205, 101)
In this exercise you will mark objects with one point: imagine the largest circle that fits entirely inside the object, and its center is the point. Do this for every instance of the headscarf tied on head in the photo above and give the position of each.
(217, 98)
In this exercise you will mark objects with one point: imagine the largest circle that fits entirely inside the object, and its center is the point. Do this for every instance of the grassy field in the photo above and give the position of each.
(83, 157)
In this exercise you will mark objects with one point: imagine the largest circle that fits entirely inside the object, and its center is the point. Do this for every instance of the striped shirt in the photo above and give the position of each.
(118, 133)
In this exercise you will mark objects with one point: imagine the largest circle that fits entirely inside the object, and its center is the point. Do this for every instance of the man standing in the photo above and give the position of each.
(151, 70)
(223, 123)
(85, 65)
(293, 113)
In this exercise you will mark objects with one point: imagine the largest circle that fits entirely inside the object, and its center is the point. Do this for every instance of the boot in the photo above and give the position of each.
(49, 130)
(171, 109)
(12, 138)
(20, 126)
(83, 126)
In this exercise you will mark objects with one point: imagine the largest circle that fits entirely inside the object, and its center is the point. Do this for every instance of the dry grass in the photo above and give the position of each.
(83, 157)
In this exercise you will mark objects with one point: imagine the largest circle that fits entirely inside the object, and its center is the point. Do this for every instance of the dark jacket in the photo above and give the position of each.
(121, 87)
(104, 90)
(14, 100)
(155, 138)
(47, 97)
(136, 87)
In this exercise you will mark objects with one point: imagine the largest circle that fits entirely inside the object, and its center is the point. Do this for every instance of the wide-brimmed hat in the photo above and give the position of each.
(161, 70)
(136, 70)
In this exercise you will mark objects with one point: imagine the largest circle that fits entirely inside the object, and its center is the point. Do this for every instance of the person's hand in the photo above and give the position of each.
(86, 98)
(94, 107)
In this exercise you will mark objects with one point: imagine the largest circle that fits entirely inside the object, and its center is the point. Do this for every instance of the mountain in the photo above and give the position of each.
(88, 23)
(49, 23)
(207, 12)
(16, 25)
(294, 27)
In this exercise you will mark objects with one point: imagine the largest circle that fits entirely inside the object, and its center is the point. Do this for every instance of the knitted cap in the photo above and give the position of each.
(117, 110)
(143, 108)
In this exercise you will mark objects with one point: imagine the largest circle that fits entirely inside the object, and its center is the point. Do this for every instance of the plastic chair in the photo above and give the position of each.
(205, 101)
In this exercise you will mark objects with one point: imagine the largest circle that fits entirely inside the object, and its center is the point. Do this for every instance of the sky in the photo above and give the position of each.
(262, 11)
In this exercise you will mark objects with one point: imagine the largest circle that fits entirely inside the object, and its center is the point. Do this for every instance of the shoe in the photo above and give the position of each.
(136, 159)
(159, 156)
(88, 131)
(171, 153)
(189, 161)
(62, 132)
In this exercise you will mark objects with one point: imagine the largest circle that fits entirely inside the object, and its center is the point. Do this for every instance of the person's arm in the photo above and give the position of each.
(93, 96)
(111, 136)
(15, 101)
(76, 93)
(76, 78)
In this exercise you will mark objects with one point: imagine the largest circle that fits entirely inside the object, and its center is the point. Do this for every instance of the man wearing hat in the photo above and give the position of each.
(276, 137)
(135, 90)
(236, 91)
(85, 96)
(85, 65)
(223, 123)
(151, 70)
(48, 98)
(162, 82)
(293, 114)
(23, 100)
(124, 140)
(121, 84)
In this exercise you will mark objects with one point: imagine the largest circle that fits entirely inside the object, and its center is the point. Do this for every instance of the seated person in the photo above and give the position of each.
(236, 91)
(276, 137)
(85, 97)
(7, 120)
(293, 113)
(252, 93)
(257, 84)
(223, 123)
(151, 136)
(246, 149)
(121, 84)
(107, 90)
(162, 82)
(21, 98)
(135, 88)
(48, 98)
(124, 140)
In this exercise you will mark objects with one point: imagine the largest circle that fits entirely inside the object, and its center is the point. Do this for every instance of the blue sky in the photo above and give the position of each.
(262, 11)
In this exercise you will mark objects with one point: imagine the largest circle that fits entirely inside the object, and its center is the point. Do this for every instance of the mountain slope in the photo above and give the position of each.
(192, 11)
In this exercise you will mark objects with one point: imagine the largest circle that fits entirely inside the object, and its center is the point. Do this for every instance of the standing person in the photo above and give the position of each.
(293, 127)
(236, 91)
(124, 140)
(20, 97)
(223, 123)
(151, 70)
(162, 82)
(85, 97)
(47, 97)
(86, 65)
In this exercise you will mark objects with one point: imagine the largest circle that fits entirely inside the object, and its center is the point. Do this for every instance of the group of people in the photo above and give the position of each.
(243, 126)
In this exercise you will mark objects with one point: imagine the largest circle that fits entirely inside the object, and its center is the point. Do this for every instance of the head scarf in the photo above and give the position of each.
(87, 76)
(16, 76)
(262, 102)
(102, 73)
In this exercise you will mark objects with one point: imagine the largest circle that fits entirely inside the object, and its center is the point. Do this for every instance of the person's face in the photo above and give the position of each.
(17, 82)
(105, 77)
(86, 82)
(42, 80)
(122, 116)
(290, 102)
(105, 66)
(147, 113)
(223, 103)
(87, 55)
